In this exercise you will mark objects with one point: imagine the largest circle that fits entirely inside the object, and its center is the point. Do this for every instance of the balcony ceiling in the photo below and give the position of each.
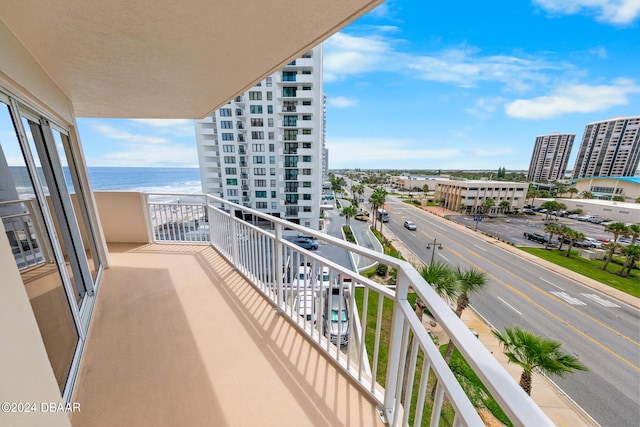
(168, 59)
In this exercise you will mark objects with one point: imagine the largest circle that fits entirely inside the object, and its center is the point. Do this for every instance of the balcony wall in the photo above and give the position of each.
(123, 216)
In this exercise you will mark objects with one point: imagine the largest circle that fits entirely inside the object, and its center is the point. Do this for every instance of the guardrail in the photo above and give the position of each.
(24, 231)
(394, 360)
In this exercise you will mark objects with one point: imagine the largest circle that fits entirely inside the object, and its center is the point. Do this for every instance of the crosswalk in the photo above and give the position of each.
(592, 297)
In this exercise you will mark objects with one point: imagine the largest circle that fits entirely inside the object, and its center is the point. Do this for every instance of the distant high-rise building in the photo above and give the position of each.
(609, 148)
(550, 156)
(265, 148)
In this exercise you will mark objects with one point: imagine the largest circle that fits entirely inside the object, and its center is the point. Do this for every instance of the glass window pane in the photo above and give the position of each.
(32, 247)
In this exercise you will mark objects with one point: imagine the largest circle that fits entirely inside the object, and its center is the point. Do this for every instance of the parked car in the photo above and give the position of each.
(335, 316)
(305, 305)
(594, 243)
(624, 241)
(410, 225)
(573, 216)
(578, 243)
(537, 237)
(303, 277)
(306, 243)
(324, 279)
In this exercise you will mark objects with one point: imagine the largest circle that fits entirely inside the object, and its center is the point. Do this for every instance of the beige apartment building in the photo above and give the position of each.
(609, 148)
(469, 196)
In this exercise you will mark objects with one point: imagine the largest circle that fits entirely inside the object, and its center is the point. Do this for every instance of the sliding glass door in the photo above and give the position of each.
(44, 210)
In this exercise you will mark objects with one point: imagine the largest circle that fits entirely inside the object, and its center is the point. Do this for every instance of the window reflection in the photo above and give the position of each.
(32, 248)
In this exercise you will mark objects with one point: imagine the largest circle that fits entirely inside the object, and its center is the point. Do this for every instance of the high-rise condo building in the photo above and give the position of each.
(265, 148)
(609, 148)
(550, 156)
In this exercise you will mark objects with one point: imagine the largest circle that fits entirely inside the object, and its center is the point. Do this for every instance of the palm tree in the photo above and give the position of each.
(530, 352)
(378, 197)
(633, 232)
(617, 229)
(572, 191)
(551, 229)
(487, 205)
(560, 187)
(504, 206)
(562, 233)
(550, 205)
(612, 247)
(532, 193)
(632, 252)
(573, 236)
(440, 276)
(469, 282)
(586, 194)
(349, 212)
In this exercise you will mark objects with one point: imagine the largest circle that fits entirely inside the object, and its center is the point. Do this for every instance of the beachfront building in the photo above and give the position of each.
(471, 196)
(110, 320)
(264, 149)
(550, 156)
(609, 148)
(623, 188)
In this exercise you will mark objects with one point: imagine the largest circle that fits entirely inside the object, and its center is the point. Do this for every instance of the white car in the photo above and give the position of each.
(324, 278)
(594, 243)
(303, 278)
(306, 306)
(410, 225)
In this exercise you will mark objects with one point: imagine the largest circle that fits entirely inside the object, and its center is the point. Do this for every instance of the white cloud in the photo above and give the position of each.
(347, 55)
(574, 99)
(341, 102)
(175, 127)
(170, 155)
(343, 151)
(485, 107)
(619, 12)
(123, 135)
(491, 152)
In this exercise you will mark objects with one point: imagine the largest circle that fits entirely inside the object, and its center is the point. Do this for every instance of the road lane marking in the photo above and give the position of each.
(552, 284)
(568, 298)
(482, 249)
(600, 300)
(549, 312)
(445, 258)
(510, 306)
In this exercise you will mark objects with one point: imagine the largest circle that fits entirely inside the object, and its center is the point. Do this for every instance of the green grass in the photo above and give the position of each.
(591, 269)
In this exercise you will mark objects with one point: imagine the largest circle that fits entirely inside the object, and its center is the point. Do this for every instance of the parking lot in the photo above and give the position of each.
(513, 228)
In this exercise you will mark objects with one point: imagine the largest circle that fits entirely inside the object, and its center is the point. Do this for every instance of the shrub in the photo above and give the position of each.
(381, 269)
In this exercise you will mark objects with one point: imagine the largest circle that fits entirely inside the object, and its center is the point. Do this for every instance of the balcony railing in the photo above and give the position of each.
(392, 362)
(24, 228)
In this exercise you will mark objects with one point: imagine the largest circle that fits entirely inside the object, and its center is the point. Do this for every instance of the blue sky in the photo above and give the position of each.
(442, 85)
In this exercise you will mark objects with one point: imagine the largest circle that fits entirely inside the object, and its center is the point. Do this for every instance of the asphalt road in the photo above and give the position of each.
(604, 333)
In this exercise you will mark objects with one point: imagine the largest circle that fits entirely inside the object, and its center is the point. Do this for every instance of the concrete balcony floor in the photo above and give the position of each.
(180, 338)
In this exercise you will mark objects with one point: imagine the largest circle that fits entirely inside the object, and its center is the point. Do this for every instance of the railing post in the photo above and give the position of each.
(395, 345)
(279, 266)
(151, 230)
(234, 237)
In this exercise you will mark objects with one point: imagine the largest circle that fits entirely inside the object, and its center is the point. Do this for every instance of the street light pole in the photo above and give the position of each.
(433, 249)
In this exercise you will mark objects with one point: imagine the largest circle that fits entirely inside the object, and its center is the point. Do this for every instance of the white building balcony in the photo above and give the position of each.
(205, 305)
(300, 63)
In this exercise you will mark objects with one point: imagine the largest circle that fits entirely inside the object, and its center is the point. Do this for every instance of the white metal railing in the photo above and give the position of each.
(24, 232)
(260, 247)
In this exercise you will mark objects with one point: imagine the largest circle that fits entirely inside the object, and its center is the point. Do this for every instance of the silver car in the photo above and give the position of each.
(335, 316)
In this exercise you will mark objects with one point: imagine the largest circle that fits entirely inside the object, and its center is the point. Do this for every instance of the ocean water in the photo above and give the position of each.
(150, 180)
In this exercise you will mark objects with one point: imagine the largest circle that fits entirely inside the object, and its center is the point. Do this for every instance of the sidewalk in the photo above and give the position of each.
(553, 401)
